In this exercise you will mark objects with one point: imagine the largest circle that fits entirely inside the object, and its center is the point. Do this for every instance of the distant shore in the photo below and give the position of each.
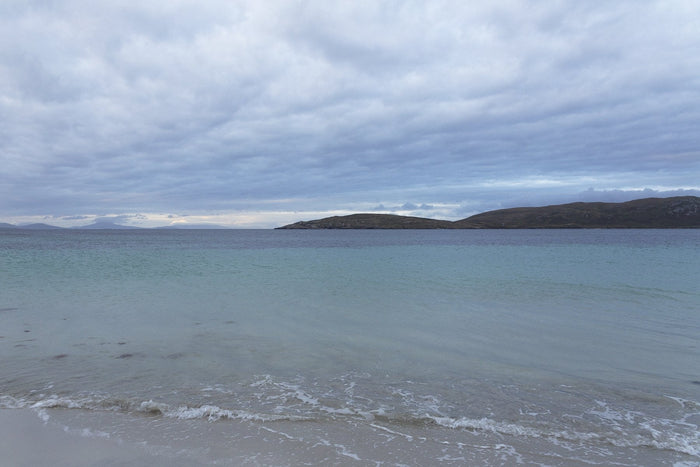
(648, 213)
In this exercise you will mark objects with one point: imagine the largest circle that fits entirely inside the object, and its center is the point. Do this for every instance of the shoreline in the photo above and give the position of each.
(58, 437)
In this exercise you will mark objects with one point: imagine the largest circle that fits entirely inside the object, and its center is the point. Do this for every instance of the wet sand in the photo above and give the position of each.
(27, 440)
(75, 438)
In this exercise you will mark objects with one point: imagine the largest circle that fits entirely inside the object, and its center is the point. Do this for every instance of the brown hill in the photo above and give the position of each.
(677, 212)
(372, 221)
(683, 211)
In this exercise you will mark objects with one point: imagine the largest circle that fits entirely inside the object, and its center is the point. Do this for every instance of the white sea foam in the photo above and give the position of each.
(686, 443)
(150, 406)
(61, 402)
(9, 402)
(214, 413)
(209, 412)
(635, 429)
(393, 432)
(341, 449)
(485, 424)
(292, 396)
(685, 403)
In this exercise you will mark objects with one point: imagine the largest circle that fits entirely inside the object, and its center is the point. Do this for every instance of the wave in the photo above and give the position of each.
(610, 426)
(213, 413)
(685, 443)
(149, 407)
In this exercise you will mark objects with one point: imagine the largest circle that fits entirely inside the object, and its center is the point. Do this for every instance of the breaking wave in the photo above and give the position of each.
(288, 402)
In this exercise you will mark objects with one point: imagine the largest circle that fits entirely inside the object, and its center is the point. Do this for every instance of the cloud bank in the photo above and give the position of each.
(269, 110)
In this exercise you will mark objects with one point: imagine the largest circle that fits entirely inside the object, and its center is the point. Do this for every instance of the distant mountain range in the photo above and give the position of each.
(192, 227)
(676, 212)
(106, 225)
(30, 226)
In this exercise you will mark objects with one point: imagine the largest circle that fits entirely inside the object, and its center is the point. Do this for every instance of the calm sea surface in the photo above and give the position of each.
(262, 347)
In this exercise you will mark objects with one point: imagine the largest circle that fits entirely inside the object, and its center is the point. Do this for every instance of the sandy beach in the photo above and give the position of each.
(27, 440)
(59, 437)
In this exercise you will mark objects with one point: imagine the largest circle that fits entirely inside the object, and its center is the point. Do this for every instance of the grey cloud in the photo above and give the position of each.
(163, 106)
(620, 196)
(119, 218)
(403, 207)
(72, 218)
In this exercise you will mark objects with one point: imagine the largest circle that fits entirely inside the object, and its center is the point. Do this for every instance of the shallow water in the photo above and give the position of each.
(361, 347)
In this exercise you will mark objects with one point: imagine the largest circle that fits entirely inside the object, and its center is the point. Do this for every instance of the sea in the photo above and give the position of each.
(360, 347)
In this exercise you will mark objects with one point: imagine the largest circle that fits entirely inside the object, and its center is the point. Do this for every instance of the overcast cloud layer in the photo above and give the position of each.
(259, 113)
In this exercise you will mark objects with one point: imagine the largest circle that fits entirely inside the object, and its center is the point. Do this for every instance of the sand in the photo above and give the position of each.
(27, 440)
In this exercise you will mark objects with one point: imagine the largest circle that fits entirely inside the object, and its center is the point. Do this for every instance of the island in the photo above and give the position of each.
(647, 213)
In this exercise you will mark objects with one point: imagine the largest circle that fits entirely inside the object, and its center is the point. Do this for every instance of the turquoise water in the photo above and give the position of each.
(363, 347)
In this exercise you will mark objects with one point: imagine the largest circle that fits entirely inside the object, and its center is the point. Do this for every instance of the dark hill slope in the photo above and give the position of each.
(675, 212)
(372, 221)
(678, 212)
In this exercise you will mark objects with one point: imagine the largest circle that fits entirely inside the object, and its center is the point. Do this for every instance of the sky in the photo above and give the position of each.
(255, 114)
